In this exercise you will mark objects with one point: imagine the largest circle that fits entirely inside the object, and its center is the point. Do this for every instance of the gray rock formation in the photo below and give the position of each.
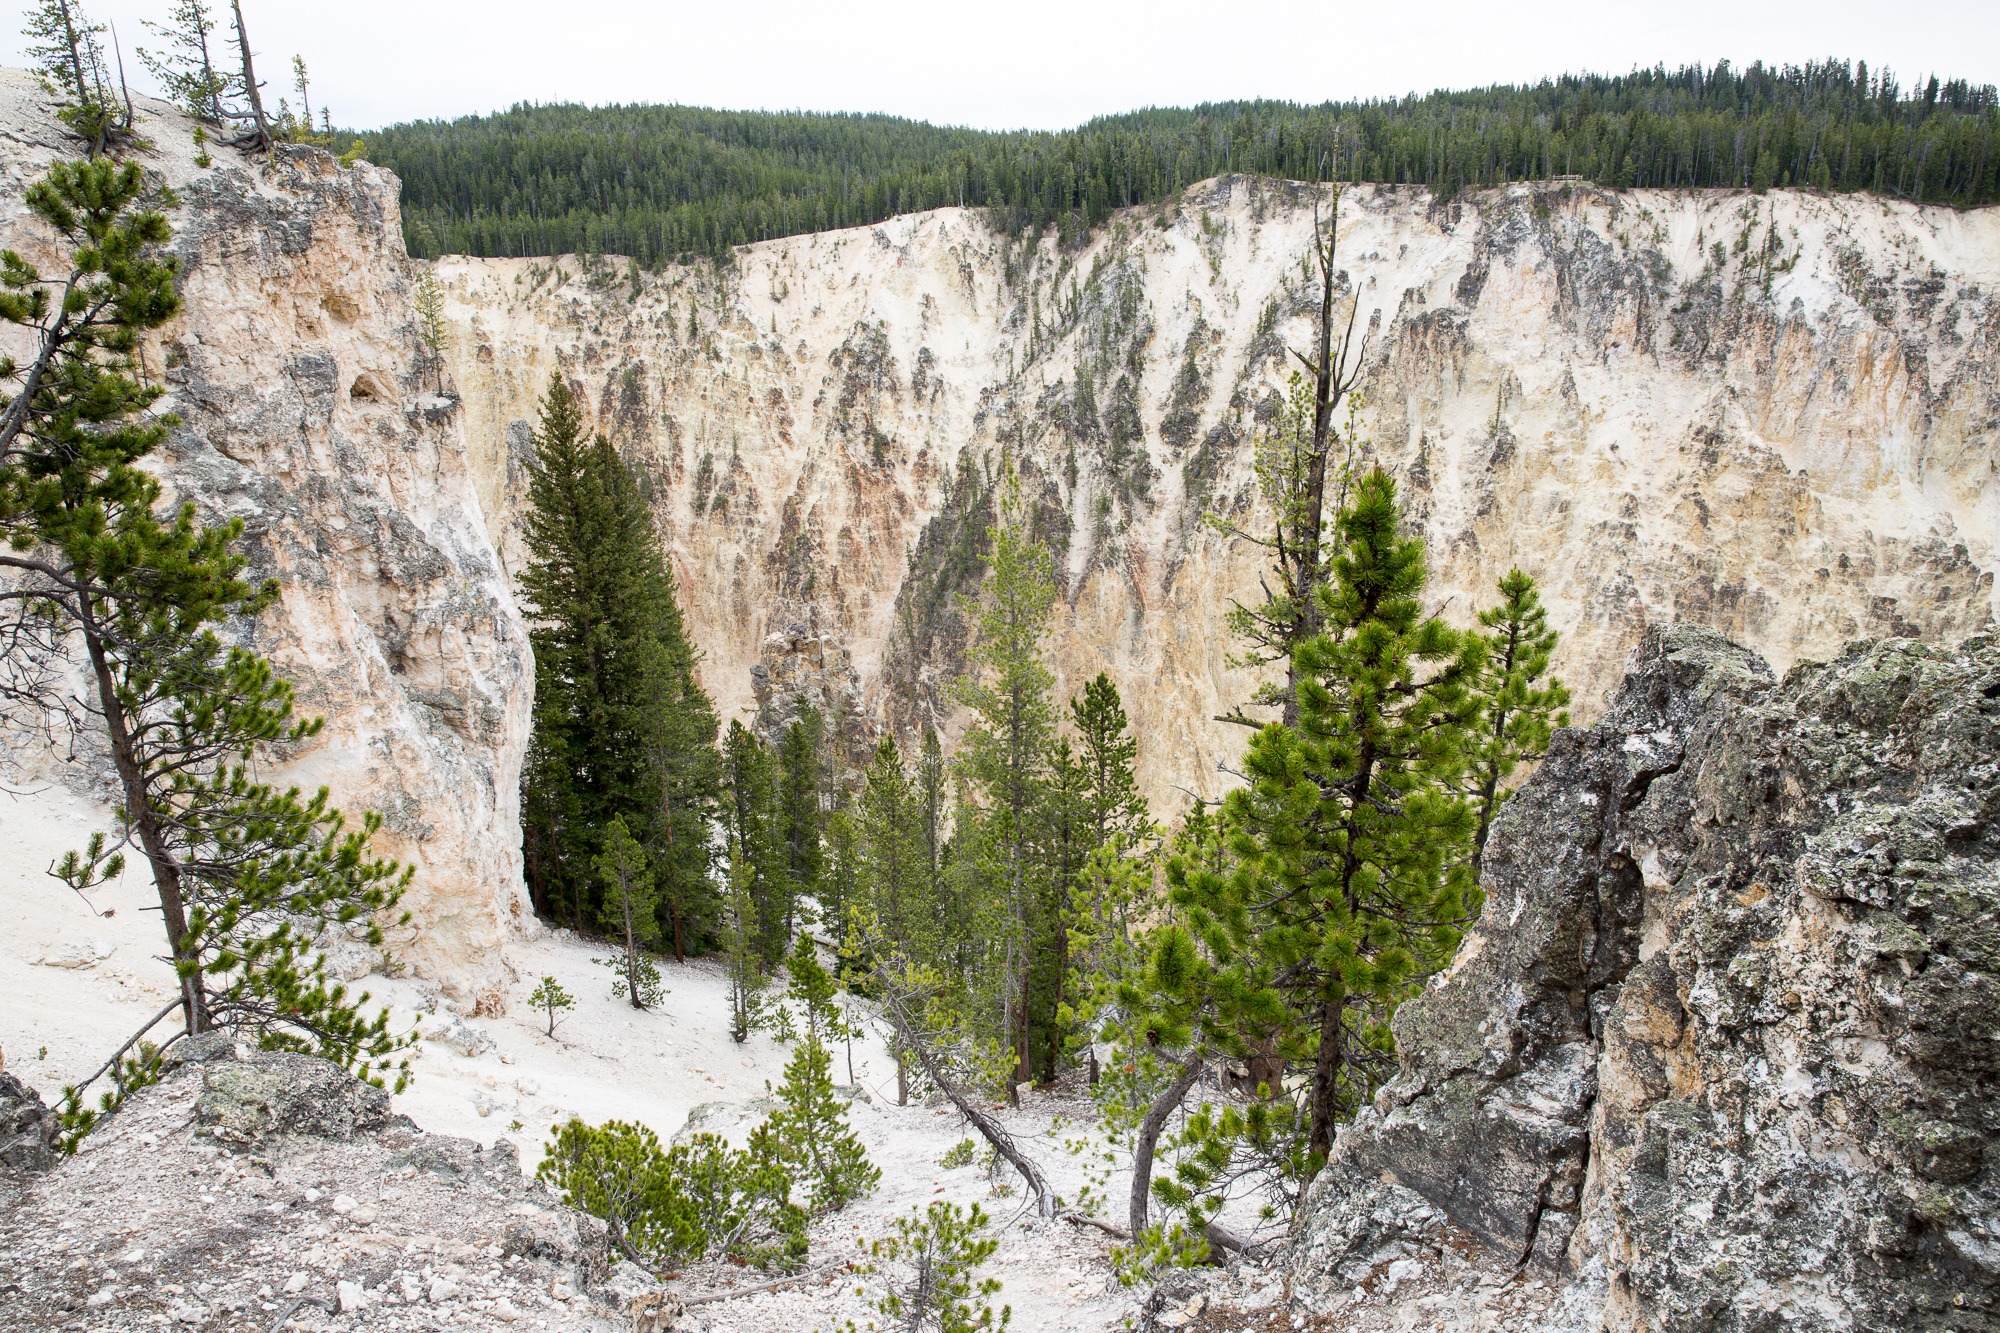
(250, 1099)
(249, 1184)
(1721, 1052)
(27, 1129)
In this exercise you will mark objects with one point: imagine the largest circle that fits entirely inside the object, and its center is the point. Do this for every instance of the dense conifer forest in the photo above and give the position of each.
(661, 183)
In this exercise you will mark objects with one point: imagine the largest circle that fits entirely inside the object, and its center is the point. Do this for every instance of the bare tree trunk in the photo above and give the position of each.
(260, 136)
(1148, 1138)
(989, 1129)
(1326, 1074)
(140, 816)
(631, 941)
(75, 52)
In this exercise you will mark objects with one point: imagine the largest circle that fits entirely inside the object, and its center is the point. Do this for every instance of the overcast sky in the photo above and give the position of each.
(1031, 63)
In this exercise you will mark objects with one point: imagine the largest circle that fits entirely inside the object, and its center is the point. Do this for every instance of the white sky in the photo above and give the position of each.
(1036, 63)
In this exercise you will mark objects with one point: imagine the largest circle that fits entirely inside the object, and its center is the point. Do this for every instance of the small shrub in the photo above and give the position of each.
(670, 1207)
(933, 1255)
(651, 988)
(963, 1153)
(551, 997)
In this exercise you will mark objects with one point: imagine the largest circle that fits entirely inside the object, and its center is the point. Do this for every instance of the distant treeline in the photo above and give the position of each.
(666, 182)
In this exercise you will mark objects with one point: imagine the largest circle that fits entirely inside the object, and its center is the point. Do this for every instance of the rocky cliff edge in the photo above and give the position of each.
(309, 411)
(1721, 1052)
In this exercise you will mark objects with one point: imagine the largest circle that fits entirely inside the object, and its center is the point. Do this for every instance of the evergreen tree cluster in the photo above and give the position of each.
(621, 777)
(970, 875)
(661, 183)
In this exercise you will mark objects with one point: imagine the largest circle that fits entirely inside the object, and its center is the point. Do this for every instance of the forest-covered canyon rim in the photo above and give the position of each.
(923, 581)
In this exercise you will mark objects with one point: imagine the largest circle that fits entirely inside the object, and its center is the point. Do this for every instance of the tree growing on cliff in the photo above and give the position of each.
(1356, 880)
(251, 878)
(433, 334)
(1522, 704)
(256, 132)
(621, 728)
(1302, 467)
(184, 63)
(64, 46)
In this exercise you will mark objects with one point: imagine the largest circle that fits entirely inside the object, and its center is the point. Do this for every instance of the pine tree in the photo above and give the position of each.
(249, 877)
(1108, 753)
(427, 301)
(941, 1248)
(1091, 802)
(840, 879)
(810, 1126)
(801, 819)
(185, 65)
(751, 820)
(743, 948)
(1005, 750)
(257, 133)
(550, 997)
(65, 48)
(630, 902)
(1360, 882)
(1302, 468)
(894, 868)
(1521, 704)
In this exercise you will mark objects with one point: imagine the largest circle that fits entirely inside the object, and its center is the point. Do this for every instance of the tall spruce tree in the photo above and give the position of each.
(1091, 802)
(622, 728)
(755, 840)
(1108, 753)
(1005, 750)
(895, 867)
(801, 814)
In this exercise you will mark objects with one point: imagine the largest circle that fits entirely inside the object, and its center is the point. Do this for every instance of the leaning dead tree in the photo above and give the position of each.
(898, 1006)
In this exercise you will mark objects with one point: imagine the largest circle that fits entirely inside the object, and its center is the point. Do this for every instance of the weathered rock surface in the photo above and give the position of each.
(1770, 414)
(248, 1184)
(308, 411)
(27, 1129)
(1721, 1052)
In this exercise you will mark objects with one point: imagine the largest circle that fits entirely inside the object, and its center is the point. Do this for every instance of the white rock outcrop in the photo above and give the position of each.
(308, 411)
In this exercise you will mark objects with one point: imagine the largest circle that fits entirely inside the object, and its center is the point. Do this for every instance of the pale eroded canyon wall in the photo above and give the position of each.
(1774, 415)
(294, 366)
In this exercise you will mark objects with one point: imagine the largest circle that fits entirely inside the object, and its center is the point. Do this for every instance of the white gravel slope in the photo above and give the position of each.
(606, 1061)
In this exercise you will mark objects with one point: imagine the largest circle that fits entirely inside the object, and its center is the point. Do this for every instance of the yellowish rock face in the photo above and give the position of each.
(1772, 414)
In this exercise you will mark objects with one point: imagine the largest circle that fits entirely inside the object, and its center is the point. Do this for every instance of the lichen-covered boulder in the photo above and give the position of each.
(27, 1129)
(268, 1093)
(1721, 1050)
